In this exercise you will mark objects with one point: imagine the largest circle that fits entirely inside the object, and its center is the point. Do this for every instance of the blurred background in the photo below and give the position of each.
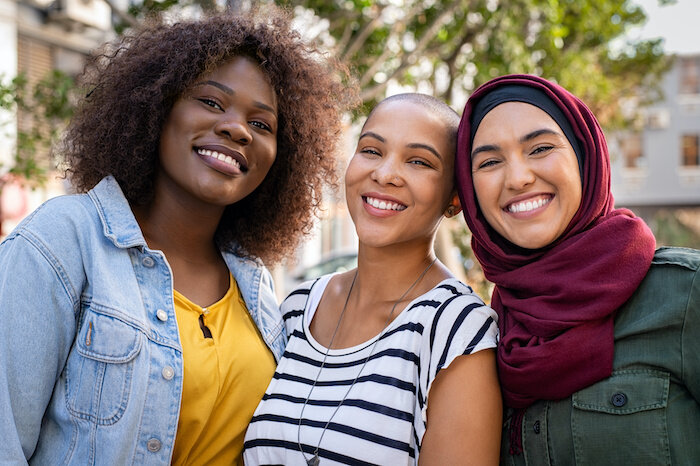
(636, 63)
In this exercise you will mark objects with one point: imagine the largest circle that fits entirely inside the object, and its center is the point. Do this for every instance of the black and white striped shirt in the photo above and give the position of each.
(383, 418)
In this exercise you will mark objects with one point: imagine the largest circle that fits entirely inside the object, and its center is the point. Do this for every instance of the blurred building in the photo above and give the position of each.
(38, 36)
(656, 167)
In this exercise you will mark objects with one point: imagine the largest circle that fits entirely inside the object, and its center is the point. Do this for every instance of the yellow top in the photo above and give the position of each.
(226, 375)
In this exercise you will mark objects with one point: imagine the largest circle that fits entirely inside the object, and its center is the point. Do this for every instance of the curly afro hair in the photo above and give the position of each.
(135, 81)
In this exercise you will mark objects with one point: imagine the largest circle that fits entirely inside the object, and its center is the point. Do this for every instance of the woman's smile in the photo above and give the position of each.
(526, 175)
(399, 182)
(227, 122)
(381, 205)
(223, 159)
(529, 205)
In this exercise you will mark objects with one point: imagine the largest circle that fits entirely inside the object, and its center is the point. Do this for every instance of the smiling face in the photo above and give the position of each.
(526, 174)
(220, 138)
(400, 179)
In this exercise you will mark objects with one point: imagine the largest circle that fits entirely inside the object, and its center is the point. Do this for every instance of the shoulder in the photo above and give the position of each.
(300, 292)
(669, 292)
(459, 312)
(452, 297)
(294, 304)
(59, 226)
(56, 215)
(673, 270)
(674, 256)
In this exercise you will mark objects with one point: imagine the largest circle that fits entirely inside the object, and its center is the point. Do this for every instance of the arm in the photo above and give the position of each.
(464, 413)
(37, 322)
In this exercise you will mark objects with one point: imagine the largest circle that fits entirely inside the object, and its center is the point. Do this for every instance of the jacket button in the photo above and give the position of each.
(153, 445)
(168, 372)
(536, 427)
(619, 399)
(162, 315)
(148, 262)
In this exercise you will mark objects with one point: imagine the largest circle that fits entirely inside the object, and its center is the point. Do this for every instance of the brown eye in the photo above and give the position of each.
(488, 163)
(541, 150)
(211, 103)
(263, 126)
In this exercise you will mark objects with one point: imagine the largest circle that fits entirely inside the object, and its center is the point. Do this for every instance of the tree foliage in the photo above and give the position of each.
(43, 108)
(451, 46)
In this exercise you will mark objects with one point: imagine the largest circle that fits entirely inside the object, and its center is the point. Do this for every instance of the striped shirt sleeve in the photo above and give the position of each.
(462, 325)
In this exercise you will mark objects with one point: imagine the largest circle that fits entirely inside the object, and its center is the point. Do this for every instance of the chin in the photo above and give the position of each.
(530, 243)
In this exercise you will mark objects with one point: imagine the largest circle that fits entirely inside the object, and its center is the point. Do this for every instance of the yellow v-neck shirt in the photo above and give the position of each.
(225, 378)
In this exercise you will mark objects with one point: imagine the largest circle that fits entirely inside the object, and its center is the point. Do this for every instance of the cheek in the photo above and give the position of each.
(486, 192)
(572, 188)
(352, 173)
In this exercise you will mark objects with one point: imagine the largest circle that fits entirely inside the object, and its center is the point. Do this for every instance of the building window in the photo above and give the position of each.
(631, 146)
(690, 152)
(690, 75)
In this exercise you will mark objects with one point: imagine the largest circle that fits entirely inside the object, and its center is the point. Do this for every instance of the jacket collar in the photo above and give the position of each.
(118, 221)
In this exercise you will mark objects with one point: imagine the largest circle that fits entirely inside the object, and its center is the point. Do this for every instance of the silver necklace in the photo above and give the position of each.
(315, 460)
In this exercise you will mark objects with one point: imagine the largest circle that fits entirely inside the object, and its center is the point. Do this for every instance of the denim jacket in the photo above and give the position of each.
(90, 357)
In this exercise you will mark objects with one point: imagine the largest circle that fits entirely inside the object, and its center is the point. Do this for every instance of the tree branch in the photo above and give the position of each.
(361, 37)
(408, 58)
(122, 15)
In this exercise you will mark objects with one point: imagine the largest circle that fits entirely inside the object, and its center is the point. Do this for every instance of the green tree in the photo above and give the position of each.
(43, 109)
(451, 46)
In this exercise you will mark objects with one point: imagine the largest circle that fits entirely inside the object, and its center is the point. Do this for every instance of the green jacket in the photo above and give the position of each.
(648, 411)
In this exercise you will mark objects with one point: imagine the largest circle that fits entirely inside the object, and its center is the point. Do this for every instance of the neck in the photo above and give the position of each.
(178, 229)
(383, 274)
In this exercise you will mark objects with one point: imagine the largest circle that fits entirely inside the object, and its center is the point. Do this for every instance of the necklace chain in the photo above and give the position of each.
(314, 460)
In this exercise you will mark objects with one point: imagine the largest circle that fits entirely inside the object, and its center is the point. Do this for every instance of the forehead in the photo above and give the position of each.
(514, 117)
(405, 119)
(242, 74)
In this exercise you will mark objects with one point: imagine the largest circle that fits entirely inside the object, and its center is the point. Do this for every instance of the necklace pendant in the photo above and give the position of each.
(314, 461)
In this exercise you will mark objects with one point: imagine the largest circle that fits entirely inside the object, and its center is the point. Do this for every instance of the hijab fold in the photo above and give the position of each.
(556, 305)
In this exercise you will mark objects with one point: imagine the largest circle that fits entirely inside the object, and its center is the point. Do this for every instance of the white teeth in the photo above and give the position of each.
(384, 205)
(219, 156)
(528, 206)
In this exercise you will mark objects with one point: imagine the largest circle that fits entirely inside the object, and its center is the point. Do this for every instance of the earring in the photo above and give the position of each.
(450, 211)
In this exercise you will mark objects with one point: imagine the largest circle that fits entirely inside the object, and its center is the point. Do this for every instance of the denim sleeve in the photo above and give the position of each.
(37, 328)
(691, 340)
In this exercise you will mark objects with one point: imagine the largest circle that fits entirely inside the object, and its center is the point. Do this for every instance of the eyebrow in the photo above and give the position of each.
(371, 134)
(412, 145)
(230, 91)
(418, 145)
(529, 136)
(216, 84)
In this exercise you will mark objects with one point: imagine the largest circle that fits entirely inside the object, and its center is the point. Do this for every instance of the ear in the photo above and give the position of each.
(454, 207)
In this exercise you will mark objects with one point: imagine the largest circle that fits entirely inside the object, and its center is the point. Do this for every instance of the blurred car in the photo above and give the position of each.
(335, 263)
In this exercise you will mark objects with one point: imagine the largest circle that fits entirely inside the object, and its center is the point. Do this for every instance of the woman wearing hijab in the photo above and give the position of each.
(599, 358)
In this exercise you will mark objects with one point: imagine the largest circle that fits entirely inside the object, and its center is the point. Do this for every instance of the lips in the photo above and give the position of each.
(223, 154)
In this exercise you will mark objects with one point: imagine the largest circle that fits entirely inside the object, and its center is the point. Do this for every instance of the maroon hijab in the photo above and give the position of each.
(556, 304)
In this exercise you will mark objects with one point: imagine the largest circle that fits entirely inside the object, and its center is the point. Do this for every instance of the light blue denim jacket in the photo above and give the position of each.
(90, 356)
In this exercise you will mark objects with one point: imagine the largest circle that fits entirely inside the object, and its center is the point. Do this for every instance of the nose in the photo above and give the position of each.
(519, 173)
(387, 172)
(234, 127)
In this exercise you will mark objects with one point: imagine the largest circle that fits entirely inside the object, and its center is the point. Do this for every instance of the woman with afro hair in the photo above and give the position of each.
(151, 329)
